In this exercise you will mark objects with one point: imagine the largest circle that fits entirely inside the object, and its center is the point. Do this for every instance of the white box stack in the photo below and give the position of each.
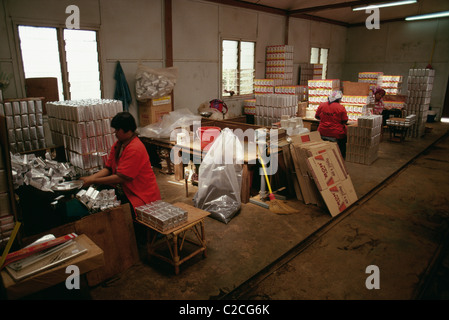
(24, 123)
(319, 90)
(279, 63)
(355, 106)
(364, 139)
(419, 92)
(391, 84)
(271, 107)
(84, 128)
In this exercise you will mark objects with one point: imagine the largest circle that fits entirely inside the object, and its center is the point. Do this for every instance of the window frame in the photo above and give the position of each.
(62, 54)
(239, 41)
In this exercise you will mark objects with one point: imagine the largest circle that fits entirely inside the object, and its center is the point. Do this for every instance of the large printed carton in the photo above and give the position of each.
(321, 173)
(339, 196)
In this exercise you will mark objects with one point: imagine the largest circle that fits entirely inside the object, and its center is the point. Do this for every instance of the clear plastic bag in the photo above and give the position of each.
(220, 178)
(154, 83)
(170, 121)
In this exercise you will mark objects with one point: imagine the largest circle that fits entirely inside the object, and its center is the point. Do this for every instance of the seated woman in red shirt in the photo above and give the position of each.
(333, 119)
(128, 165)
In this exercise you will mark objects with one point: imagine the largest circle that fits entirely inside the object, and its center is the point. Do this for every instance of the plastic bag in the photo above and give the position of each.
(220, 178)
(170, 121)
(154, 83)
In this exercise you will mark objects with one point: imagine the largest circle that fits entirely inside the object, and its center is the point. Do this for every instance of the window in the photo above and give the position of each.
(76, 69)
(320, 56)
(237, 67)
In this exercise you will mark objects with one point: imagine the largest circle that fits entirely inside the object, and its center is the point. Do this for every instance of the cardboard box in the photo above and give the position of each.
(355, 88)
(153, 110)
(339, 196)
(326, 169)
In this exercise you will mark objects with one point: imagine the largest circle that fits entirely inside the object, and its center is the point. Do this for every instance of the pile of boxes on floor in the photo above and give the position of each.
(321, 176)
(161, 215)
(364, 139)
(275, 95)
(83, 127)
(419, 92)
(24, 122)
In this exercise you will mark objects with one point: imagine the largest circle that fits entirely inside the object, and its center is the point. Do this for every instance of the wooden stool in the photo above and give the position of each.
(175, 238)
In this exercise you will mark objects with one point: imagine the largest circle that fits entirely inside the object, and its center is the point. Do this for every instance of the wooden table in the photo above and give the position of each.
(398, 129)
(175, 238)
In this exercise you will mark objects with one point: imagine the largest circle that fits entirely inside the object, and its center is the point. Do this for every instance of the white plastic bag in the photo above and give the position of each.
(170, 121)
(220, 178)
(154, 83)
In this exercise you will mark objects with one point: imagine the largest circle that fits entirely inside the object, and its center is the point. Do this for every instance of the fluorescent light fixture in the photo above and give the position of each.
(384, 5)
(429, 16)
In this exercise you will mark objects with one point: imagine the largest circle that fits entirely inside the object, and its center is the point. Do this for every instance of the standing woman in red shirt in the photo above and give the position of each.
(333, 119)
(128, 167)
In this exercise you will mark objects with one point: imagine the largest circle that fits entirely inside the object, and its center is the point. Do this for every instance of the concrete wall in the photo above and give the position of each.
(398, 46)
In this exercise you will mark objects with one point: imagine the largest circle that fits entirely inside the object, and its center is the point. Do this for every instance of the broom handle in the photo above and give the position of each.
(263, 167)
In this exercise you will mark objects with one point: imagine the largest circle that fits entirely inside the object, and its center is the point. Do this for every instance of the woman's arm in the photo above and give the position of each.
(103, 176)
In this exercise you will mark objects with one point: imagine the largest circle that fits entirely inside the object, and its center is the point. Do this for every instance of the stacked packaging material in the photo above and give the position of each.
(161, 215)
(98, 200)
(84, 128)
(24, 122)
(364, 139)
(249, 106)
(408, 121)
(419, 92)
(355, 106)
(373, 78)
(391, 84)
(265, 86)
(320, 90)
(271, 107)
(279, 63)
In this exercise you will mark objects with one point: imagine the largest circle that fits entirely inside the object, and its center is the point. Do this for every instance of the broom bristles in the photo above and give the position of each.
(279, 207)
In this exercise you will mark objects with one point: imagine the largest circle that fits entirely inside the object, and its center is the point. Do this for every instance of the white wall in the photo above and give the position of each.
(398, 46)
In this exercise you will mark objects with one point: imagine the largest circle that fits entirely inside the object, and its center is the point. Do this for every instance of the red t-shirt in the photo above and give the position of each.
(333, 118)
(134, 163)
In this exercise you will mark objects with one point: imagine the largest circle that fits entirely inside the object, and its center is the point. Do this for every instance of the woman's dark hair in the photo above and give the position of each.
(124, 120)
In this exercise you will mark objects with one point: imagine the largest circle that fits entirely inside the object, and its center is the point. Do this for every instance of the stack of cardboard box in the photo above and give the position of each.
(321, 175)
(364, 139)
(419, 92)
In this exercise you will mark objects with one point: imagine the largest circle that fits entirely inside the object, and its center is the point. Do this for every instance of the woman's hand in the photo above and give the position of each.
(88, 180)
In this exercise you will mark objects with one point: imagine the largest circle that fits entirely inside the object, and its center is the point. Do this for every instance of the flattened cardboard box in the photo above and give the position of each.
(325, 169)
(339, 196)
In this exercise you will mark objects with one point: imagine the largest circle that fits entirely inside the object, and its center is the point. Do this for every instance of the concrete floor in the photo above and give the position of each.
(399, 224)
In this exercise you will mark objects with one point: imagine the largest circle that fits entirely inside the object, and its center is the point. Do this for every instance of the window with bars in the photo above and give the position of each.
(320, 56)
(237, 67)
(76, 68)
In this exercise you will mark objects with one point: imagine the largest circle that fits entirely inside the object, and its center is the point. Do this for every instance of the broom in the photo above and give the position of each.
(275, 205)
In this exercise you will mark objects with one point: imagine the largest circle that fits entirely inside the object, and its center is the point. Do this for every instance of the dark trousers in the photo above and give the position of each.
(340, 142)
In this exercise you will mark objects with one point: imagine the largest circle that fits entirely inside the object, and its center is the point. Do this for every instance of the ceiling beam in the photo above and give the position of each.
(253, 6)
(320, 19)
(335, 6)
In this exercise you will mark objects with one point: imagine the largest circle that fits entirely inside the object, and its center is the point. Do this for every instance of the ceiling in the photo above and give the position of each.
(339, 11)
